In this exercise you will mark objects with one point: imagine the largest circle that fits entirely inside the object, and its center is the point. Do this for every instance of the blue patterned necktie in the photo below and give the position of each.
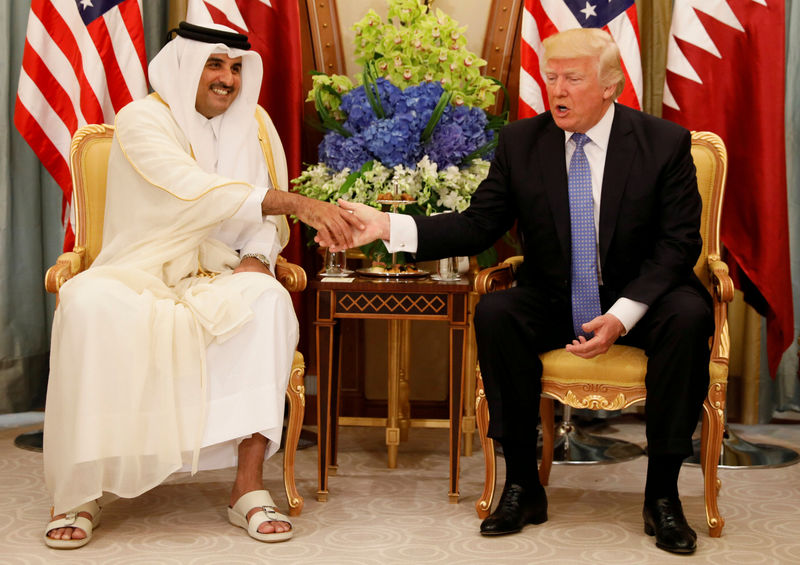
(585, 292)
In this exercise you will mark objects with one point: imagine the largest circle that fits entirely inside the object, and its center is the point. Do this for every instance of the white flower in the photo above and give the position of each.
(434, 190)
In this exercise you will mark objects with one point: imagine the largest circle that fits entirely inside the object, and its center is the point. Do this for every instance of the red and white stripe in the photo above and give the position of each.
(73, 74)
(542, 18)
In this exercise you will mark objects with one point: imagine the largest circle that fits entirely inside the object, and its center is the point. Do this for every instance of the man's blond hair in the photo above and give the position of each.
(588, 42)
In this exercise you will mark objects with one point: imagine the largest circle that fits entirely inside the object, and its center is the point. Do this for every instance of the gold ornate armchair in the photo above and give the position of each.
(616, 380)
(88, 163)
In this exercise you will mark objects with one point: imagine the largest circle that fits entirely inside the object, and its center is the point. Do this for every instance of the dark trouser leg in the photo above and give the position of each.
(674, 334)
(512, 327)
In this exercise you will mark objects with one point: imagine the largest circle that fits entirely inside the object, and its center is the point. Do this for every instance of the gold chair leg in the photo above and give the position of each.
(470, 366)
(297, 402)
(547, 415)
(484, 504)
(713, 429)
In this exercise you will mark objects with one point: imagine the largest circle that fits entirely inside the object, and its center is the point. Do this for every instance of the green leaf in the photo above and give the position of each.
(495, 123)
(371, 89)
(482, 150)
(327, 121)
(352, 177)
(330, 90)
(316, 125)
(487, 258)
(444, 100)
(506, 97)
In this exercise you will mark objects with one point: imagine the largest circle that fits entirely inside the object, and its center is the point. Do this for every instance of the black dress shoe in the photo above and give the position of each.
(517, 507)
(664, 519)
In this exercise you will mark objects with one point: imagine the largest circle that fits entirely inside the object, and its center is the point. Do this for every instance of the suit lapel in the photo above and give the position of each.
(620, 154)
(550, 149)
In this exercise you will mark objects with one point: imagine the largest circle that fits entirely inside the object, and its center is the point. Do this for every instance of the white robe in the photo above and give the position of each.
(151, 359)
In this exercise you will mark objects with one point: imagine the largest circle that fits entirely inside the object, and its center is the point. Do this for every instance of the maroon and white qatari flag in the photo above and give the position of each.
(83, 61)
(726, 74)
(542, 18)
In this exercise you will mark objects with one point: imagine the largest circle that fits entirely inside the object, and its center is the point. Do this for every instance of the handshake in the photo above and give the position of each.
(347, 225)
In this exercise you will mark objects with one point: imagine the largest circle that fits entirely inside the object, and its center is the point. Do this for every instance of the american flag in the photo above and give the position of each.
(542, 18)
(83, 61)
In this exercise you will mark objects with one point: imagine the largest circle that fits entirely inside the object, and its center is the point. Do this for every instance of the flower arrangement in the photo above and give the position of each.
(415, 124)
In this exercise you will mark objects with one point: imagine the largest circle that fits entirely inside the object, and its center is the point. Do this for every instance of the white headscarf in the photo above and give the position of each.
(175, 74)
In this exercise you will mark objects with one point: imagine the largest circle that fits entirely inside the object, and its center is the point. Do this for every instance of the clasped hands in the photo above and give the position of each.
(366, 224)
(362, 224)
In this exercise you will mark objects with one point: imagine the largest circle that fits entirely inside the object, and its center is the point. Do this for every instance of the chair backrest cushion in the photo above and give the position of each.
(89, 168)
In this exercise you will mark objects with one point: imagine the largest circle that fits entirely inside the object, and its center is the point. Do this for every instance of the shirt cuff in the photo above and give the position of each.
(250, 210)
(402, 234)
(628, 311)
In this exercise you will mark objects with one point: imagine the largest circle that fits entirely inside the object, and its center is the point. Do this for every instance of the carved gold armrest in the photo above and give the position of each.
(722, 291)
(67, 266)
(291, 276)
(498, 277)
(721, 281)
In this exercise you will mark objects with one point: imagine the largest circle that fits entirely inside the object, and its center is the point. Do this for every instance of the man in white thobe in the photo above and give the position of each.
(173, 351)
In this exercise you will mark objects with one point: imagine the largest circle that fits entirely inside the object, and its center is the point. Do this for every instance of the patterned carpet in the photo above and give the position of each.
(376, 515)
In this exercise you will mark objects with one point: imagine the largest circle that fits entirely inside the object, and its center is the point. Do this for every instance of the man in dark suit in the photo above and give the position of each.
(606, 204)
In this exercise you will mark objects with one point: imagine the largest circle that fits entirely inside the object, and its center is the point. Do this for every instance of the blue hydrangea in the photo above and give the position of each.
(395, 139)
(460, 131)
(358, 109)
(419, 101)
(339, 152)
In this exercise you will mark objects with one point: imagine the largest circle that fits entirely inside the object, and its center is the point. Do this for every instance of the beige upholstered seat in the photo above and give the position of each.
(616, 380)
(88, 166)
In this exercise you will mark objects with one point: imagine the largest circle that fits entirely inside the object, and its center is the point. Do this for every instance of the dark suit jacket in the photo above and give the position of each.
(649, 212)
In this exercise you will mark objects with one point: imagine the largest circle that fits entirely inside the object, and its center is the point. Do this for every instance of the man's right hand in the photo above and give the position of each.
(374, 225)
(333, 224)
(606, 329)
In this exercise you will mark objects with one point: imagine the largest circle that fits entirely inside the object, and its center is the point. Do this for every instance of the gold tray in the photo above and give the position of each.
(366, 272)
(398, 202)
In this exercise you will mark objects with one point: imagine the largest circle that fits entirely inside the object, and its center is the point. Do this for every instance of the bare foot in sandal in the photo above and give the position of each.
(268, 526)
(73, 529)
(249, 479)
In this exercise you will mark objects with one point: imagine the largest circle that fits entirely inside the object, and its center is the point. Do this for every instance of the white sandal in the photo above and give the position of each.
(267, 513)
(72, 520)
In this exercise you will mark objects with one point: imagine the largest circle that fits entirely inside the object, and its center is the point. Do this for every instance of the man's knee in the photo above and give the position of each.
(693, 319)
(493, 311)
(99, 296)
(686, 314)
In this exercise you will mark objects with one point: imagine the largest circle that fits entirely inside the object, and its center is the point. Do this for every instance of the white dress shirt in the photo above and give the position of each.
(403, 232)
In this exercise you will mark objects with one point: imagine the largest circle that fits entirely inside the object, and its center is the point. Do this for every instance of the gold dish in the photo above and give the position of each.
(370, 273)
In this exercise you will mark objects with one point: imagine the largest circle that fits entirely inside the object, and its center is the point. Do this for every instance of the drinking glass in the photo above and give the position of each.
(447, 269)
(335, 264)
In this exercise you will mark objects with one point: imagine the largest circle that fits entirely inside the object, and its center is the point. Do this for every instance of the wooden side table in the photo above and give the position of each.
(399, 302)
